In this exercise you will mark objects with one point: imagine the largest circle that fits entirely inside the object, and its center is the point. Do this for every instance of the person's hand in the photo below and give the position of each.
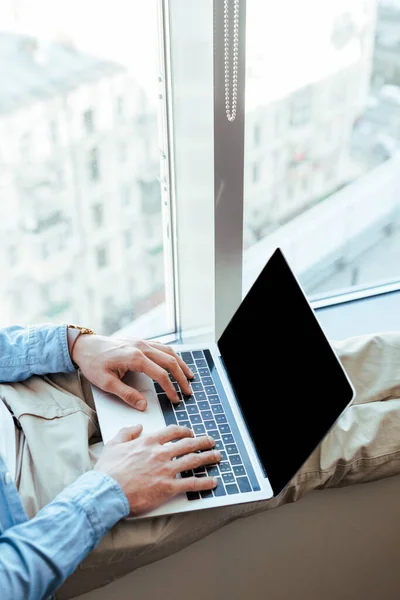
(105, 360)
(146, 467)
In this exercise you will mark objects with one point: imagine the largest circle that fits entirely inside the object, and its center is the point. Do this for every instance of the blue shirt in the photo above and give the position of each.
(36, 556)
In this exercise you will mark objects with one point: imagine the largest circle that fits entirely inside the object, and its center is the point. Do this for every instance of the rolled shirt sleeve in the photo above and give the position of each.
(37, 556)
(33, 350)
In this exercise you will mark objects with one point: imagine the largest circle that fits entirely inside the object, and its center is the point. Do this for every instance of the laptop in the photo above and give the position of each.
(268, 391)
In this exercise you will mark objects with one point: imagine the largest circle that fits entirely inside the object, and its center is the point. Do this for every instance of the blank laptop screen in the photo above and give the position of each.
(287, 379)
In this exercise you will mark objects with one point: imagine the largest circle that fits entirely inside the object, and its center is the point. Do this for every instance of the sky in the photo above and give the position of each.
(290, 38)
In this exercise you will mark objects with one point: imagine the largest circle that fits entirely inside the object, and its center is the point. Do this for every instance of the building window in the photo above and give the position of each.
(257, 134)
(53, 133)
(126, 195)
(300, 109)
(101, 257)
(88, 121)
(128, 238)
(119, 107)
(13, 255)
(122, 151)
(98, 215)
(255, 173)
(94, 171)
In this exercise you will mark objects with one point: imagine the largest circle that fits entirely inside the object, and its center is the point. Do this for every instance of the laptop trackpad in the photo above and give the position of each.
(114, 413)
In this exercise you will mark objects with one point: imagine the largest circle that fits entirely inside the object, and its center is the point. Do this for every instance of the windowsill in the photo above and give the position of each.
(358, 312)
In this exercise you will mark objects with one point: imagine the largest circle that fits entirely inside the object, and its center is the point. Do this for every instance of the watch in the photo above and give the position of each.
(73, 332)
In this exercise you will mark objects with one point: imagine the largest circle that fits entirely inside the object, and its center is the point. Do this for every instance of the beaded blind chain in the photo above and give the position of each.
(231, 99)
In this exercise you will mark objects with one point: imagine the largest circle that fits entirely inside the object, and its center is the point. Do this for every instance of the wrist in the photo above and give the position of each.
(73, 333)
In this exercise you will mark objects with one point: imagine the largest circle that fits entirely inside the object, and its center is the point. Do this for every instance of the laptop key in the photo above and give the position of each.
(231, 449)
(244, 484)
(197, 353)
(218, 445)
(192, 495)
(207, 415)
(201, 469)
(227, 438)
(221, 418)
(224, 455)
(182, 415)
(192, 409)
(206, 494)
(168, 411)
(239, 470)
(228, 477)
(195, 419)
(203, 405)
(189, 399)
(187, 357)
(223, 427)
(207, 381)
(210, 425)
(201, 363)
(224, 467)
(198, 429)
(200, 396)
(179, 406)
(217, 409)
(212, 471)
(235, 459)
(192, 367)
(213, 399)
(185, 474)
(232, 488)
(214, 434)
(219, 490)
(158, 387)
(210, 389)
(204, 372)
(197, 387)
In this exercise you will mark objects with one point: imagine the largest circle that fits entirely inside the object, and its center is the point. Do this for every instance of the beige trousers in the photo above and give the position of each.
(61, 441)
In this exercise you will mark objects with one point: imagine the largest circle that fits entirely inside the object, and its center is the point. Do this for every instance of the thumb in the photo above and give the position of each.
(127, 434)
(127, 393)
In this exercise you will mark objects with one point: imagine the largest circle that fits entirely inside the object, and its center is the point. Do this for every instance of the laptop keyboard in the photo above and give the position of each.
(205, 414)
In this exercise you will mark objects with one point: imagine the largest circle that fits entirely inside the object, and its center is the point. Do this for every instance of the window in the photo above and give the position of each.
(300, 109)
(88, 121)
(101, 257)
(128, 237)
(13, 256)
(98, 215)
(126, 195)
(92, 85)
(94, 171)
(339, 147)
(119, 107)
(255, 176)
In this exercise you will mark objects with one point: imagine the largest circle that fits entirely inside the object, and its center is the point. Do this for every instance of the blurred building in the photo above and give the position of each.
(80, 209)
(299, 125)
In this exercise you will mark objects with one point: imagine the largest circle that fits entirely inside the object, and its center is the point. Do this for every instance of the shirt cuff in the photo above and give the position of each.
(102, 499)
(49, 349)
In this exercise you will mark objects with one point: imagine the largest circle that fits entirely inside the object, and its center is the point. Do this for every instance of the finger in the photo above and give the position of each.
(126, 393)
(196, 459)
(170, 433)
(194, 484)
(127, 434)
(157, 373)
(194, 444)
(168, 350)
(171, 365)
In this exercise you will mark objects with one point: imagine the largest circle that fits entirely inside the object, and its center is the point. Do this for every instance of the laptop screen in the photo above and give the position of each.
(290, 386)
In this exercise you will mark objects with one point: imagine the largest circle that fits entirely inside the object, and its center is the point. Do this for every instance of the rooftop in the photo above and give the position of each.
(30, 69)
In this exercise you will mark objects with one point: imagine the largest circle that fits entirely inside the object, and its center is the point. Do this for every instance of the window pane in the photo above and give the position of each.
(322, 132)
(81, 230)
